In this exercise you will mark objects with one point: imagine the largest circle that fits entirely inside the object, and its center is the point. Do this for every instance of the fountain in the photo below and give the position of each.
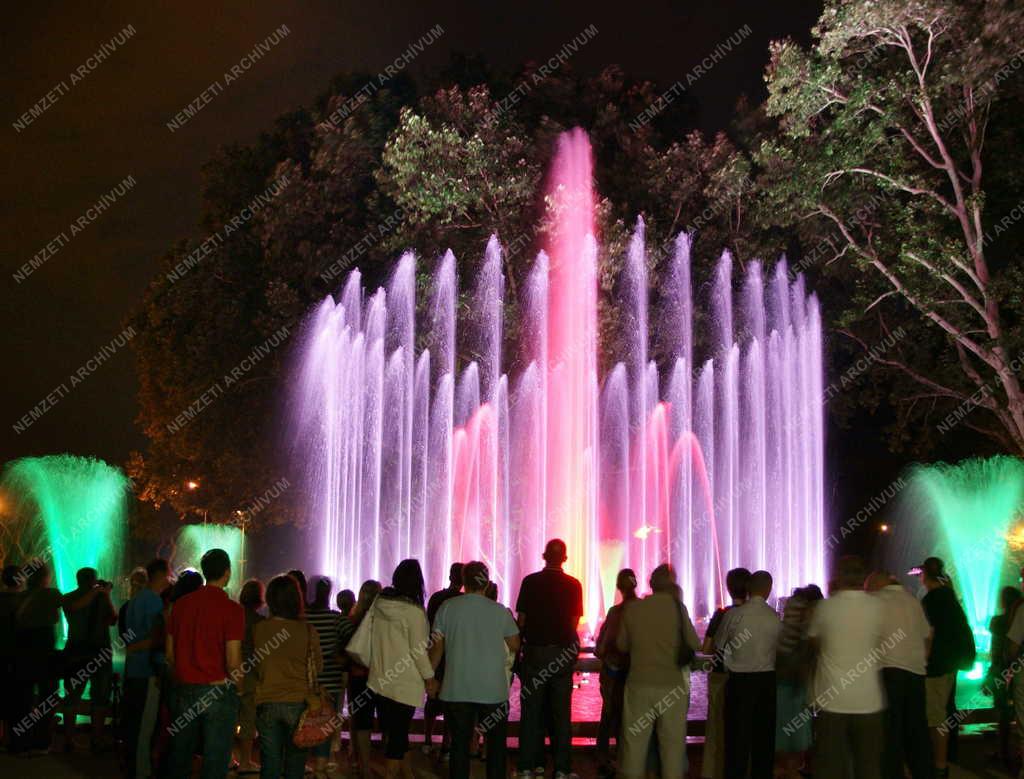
(67, 510)
(419, 454)
(964, 514)
(195, 540)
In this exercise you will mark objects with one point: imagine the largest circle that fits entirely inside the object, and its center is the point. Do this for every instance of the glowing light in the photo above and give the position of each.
(413, 443)
(192, 484)
(71, 512)
(965, 514)
(883, 528)
(195, 540)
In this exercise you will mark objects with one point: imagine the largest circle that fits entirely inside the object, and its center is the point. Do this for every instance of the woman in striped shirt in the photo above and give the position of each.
(328, 626)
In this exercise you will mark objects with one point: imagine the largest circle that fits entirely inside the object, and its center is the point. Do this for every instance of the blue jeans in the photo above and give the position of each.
(276, 722)
(208, 709)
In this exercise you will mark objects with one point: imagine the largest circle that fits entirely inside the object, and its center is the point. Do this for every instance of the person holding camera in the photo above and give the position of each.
(87, 658)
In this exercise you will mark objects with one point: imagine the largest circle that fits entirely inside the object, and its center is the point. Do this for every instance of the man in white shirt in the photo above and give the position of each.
(903, 674)
(746, 640)
(847, 628)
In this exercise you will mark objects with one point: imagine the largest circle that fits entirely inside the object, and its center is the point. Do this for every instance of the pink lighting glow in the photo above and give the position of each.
(707, 465)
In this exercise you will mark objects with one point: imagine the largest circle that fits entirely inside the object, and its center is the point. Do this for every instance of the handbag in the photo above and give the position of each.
(358, 646)
(316, 725)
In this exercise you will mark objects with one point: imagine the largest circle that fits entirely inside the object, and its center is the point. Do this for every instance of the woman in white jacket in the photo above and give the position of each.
(400, 670)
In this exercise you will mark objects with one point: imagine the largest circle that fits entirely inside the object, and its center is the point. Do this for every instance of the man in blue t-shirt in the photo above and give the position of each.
(143, 664)
(478, 638)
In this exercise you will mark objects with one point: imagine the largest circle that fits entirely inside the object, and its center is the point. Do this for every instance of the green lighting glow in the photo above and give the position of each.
(974, 503)
(195, 540)
(968, 514)
(70, 511)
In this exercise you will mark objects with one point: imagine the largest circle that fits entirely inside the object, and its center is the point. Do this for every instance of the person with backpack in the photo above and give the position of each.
(661, 642)
(952, 650)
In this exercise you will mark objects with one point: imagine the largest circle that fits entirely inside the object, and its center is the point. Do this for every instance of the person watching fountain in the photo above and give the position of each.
(713, 761)
(433, 706)
(328, 627)
(475, 633)
(903, 677)
(661, 642)
(793, 733)
(846, 630)
(282, 689)
(204, 648)
(614, 667)
(549, 606)
(87, 658)
(10, 596)
(143, 668)
(361, 702)
(36, 623)
(747, 640)
(400, 670)
(1001, 668)
(952, 649)
(252, 599)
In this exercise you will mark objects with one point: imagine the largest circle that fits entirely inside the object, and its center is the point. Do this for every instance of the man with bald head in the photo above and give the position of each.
(903, 675)
(550, 605)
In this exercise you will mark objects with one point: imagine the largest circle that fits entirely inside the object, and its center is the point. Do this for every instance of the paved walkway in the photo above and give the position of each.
(974, 764)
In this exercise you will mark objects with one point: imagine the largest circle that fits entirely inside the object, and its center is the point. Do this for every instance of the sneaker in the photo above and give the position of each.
(524, 774)
(563, 775)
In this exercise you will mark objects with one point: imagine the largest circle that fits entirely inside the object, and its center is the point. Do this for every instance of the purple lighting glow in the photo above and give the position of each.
(709, 466)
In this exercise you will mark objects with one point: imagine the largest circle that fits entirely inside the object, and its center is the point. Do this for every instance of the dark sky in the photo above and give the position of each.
(111, 125)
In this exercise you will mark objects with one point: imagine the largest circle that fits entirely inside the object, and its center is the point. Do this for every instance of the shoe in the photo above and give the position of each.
(563, 775)
(524, 774)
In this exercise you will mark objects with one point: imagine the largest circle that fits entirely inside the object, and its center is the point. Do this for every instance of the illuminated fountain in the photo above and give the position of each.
(69, 511)
(195, 540)
(969, 515)
(708, 465)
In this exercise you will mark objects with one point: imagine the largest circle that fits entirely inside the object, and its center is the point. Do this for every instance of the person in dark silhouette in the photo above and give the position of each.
(549, 608)
(614, 667)
(433, 706)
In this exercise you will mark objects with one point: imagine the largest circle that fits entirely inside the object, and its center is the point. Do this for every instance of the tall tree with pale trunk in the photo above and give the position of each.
(899, 137)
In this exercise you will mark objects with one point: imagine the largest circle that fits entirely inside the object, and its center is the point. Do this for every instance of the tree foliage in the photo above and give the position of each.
(367, 178)
(895, 131)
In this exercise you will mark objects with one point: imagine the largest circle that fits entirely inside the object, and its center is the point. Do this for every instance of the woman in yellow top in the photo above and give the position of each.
(280, 646)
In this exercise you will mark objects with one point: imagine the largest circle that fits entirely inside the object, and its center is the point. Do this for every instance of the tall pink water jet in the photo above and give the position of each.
(407, 446)
(572, 358)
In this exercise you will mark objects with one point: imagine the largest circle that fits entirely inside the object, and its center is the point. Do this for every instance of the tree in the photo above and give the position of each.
(892, 127)
(371, 173)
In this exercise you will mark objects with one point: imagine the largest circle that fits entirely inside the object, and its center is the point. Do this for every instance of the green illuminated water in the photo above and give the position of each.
(195, 540)
(964, 513)
(70, 511)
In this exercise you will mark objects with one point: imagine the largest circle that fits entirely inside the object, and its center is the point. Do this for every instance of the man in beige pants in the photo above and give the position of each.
(713, 763)
(654, 631)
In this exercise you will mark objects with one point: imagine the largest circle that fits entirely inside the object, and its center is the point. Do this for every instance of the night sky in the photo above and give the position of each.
(111, 124)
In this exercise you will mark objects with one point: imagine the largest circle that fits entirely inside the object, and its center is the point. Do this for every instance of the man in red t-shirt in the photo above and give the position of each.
(204, 650)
